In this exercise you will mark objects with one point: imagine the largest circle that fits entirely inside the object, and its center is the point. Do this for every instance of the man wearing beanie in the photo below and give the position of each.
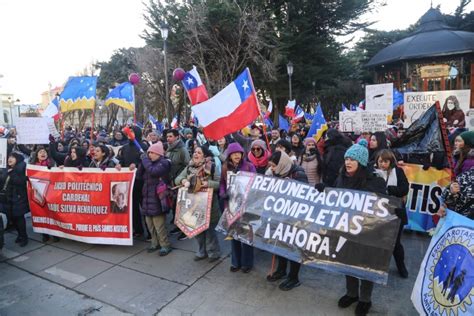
(154, 171)
(282, 166)
(355, 176)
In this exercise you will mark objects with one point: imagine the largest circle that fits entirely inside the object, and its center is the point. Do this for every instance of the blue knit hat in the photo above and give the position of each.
(359, 152)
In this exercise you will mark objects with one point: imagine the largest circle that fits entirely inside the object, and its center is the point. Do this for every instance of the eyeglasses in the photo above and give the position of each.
(256, 149)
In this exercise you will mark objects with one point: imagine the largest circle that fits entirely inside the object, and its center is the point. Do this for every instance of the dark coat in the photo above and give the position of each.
(333, 160)
(17, 196)
(372, 183)
(106, 163)
(151, 172)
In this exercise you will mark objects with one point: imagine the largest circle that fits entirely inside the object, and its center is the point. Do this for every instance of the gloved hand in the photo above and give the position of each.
(51, 139)
(225, 196)
(426, 165)
(103, 167)
(320, 187)
(79, 167)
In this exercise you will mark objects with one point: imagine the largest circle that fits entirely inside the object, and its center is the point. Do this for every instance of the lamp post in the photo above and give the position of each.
(12, 103)
(289, 70)
(164, 34)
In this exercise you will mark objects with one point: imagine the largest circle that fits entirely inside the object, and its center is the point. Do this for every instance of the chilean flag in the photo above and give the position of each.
(290, 108)
(233, 108)
(52, 110)
(197, 92)
(299, 114)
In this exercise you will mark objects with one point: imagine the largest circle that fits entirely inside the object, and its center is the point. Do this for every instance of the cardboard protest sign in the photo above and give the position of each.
(445, 282)
(33, 130)
(52, 130)
(346, 231)
(379, 97)
(193, 211)
(3, 153)
(91, 205)
(423, 200)
(362, 121)
(454, 105)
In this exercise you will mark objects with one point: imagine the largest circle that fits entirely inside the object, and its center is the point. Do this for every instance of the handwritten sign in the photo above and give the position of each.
(33, 130)
(379, 97)
(362, 121)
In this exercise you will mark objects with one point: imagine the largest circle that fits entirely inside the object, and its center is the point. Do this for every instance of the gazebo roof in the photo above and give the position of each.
(432, 38)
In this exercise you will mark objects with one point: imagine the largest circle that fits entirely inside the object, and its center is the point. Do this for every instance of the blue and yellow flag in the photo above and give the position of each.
(123, 95)
(319, 125)
(78, 94)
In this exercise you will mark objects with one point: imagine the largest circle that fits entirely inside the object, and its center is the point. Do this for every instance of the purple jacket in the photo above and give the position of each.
(467, 164)
(151, 172)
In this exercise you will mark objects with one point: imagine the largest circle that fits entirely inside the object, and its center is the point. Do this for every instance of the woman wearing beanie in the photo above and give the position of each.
(259, 155)
(397, 186)
(459, 195)
(101, 158)
(355, 176)
(201, 169)
(310, 161)
(282, 166)
(242, 254)
(154, 170)
(13, 180)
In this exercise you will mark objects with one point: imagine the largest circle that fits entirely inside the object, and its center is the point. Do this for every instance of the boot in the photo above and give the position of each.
(402, 269)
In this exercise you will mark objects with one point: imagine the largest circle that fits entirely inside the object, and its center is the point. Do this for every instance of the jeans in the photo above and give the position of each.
(242, 255)
(208, 244)
(157, 228)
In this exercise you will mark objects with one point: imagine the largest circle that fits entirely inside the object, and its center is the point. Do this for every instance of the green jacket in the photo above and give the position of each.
(179, 157)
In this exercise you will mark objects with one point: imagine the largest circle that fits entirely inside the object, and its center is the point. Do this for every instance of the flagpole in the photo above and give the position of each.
(258, 108)
(92, 124)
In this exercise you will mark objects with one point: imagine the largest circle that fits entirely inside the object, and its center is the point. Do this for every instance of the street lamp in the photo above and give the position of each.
(164, 34)
(289, 70)
(11, 102)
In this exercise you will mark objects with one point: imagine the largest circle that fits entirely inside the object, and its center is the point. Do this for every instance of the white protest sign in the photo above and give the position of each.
(454, 105)
(33, 130)
(3, 152)
(53, 131)
(362, 121)
(379, 97)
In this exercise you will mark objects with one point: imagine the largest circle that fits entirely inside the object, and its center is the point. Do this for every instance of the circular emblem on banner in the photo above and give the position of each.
(448, 284)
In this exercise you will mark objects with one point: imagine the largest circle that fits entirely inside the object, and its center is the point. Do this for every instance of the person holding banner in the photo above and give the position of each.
(398, 186)
(356, 176)
(282, 166)
(15, 197)
(101, 158)
(41, 158)
(154, 171)
(259, 155)
(242, 254)
(199, 174)
(310, 161)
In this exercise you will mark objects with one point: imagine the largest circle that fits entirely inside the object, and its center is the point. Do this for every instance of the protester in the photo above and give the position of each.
(310, 161)
(259, 155)
(41, 158)
(334, 149)
(201, 173)
(154, 170)
(275, 137)
(242, 254)
(282, 166)
(464, 152)
(118, 139)
(101, 158)
(76, 158)
(378, 141)
(15, 197)
(222, 145)
(397, 186)
(129, 157)
(179, 156)
(285, 146)
(356, 176)
(246, 142)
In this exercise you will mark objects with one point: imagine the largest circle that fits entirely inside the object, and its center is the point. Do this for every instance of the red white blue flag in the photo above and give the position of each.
(196, 90)
(233, 108)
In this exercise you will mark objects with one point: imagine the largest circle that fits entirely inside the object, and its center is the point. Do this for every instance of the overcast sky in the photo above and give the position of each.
(44, 41)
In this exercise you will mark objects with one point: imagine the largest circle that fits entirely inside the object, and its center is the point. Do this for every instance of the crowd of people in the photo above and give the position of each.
(184, 157)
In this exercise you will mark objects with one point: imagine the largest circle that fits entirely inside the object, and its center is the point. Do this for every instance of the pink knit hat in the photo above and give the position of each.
(157, 148)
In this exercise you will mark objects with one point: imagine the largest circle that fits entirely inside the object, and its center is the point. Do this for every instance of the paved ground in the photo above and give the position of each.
(72, 278)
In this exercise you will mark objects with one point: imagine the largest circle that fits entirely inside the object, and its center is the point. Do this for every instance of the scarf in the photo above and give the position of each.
(202, 169)
(44, 163)
(309, 157)
(390, 179)
(284, 166)
(261, 161)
